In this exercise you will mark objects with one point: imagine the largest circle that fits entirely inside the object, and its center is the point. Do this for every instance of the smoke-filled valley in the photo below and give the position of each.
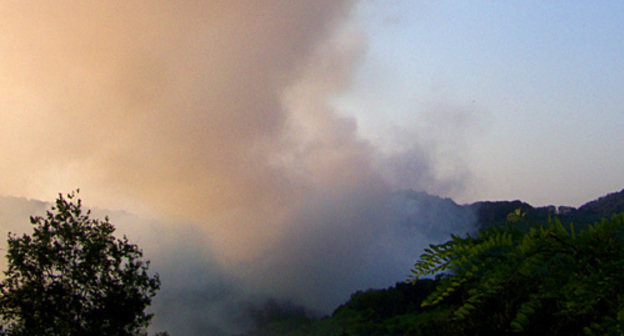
(316, 266)
(212, 120)
(312, 270)
(220, 137)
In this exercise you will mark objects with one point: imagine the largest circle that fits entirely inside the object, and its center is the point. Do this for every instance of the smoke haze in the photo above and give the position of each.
(211, 120)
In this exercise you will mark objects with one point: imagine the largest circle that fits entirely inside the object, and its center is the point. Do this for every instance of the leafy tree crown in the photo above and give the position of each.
(71, 276)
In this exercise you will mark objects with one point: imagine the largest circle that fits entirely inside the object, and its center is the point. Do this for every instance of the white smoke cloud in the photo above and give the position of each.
(212, 119)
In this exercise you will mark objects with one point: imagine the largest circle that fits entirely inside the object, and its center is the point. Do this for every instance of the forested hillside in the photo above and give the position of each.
(495, 213)
(528, 271)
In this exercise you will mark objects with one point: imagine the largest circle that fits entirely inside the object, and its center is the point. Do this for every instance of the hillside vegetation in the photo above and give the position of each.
(528, 271)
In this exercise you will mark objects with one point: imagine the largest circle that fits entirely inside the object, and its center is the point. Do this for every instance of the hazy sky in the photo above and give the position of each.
(505, 100)
(528, 96)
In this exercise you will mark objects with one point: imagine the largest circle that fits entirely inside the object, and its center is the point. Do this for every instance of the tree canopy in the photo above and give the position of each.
(545, 280)
(71, 276)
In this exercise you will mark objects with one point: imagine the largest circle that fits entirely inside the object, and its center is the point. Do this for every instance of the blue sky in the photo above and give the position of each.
(538, 88)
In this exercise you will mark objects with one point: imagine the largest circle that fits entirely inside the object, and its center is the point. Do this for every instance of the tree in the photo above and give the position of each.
(546, 280)
(73, 277)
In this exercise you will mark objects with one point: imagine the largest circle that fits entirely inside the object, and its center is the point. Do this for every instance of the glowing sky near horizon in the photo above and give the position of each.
(536, 90)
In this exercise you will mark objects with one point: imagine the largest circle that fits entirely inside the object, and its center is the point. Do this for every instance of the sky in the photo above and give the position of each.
(526, 96)
(517, 100)
(256, 148)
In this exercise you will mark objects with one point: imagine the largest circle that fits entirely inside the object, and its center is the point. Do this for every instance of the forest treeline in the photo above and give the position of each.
(527, 271)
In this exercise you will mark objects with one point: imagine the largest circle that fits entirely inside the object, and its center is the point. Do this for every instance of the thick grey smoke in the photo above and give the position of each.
(336, 247)
(211, 119)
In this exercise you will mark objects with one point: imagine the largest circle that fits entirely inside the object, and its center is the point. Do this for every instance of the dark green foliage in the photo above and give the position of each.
(550, 280)
(376, 312)
(380, 304)
(73, 277)
(523, 274)
(490, 214)
(603, 207)
(493, 214)
(393, 311)
(278, 318)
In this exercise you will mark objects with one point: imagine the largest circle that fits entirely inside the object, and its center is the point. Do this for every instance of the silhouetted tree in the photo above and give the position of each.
(73, 277)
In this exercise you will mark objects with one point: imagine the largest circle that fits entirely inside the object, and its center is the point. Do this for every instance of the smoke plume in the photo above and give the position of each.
(210, 119)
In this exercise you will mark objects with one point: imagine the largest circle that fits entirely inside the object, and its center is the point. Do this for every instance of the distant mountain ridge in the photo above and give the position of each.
(495, 212)
(396, 310)
(489, 213)
(604, 206)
